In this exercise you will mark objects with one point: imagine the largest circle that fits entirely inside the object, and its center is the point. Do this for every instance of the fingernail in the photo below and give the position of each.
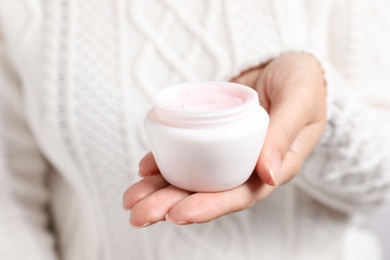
(142, 176)
(145, 175)
(144, 225)
(140, 164)
(176, 222)
(275, 167)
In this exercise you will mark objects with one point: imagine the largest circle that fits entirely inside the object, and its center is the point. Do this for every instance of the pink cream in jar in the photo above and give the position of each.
(206, 136)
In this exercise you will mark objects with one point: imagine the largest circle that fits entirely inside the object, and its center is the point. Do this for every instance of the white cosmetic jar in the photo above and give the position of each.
(206, 136)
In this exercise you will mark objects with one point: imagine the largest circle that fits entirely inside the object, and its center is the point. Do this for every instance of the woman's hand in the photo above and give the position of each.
(292, 89)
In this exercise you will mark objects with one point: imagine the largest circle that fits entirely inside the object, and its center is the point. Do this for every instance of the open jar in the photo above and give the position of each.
(206, 136)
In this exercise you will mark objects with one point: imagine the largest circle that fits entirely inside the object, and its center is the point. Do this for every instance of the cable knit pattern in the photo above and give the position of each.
(77, 78)
(95, 85)
(353, 179)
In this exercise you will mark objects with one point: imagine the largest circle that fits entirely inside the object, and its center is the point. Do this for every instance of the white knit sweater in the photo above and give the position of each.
(76, 78)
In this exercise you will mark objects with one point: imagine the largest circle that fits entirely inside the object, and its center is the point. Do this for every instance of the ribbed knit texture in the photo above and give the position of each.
(77, 77)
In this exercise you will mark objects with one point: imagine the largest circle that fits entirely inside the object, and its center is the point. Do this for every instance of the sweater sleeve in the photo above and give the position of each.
(350, 169)
(24, 221)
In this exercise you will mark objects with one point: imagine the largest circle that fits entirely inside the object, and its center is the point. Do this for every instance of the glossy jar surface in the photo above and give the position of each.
(206, 136)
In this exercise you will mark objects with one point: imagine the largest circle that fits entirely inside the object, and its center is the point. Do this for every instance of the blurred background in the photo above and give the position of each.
(380, 224)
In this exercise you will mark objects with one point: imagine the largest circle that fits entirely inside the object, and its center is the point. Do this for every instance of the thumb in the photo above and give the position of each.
(294, 90)
(294, 130)
(292, 135)
(287, 118)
